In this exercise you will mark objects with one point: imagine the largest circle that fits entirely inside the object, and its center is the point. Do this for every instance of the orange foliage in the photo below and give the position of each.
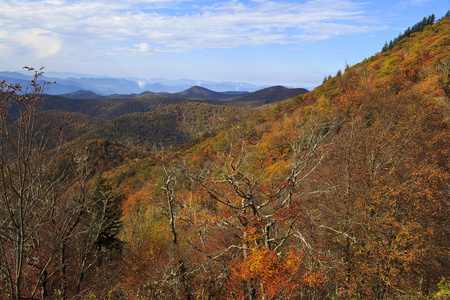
(272, 275)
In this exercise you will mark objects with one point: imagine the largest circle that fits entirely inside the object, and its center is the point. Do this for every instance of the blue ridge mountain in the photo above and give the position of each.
(104, 85)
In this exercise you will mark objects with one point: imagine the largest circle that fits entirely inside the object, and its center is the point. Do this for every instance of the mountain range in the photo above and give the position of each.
(143, 120)
(102, 85)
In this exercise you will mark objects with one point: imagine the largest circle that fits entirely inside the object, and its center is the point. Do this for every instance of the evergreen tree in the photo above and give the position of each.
(408, 32)
(107, 205)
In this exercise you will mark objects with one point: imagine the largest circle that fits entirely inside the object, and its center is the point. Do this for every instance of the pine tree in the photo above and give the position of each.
(107, 203)
(385, 47)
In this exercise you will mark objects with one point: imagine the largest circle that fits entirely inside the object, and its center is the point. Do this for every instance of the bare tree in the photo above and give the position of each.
(47, 206)
(26, 187)
(170, 199)
(260, 206)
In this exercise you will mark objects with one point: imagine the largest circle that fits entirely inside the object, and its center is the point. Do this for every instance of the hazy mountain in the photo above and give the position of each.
(203, 93)
(15, 75)
(66, 82)
(82, 95)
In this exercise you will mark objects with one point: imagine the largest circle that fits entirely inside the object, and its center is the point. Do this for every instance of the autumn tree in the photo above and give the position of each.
(389, 188)
(168, 201)
(26, 186)
(46, 202)
(259, 196)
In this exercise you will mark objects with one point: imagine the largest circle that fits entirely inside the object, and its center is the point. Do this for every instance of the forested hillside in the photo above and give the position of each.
(172, 125)
(340, 193)
(150, 119)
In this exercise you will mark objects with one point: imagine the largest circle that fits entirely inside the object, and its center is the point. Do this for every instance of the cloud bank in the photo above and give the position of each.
(149, 27)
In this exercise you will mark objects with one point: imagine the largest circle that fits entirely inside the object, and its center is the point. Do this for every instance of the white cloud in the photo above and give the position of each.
(3, 34)
(54, 25)
(141, 84)
(42, 42)
(141, 49)
(408, 3)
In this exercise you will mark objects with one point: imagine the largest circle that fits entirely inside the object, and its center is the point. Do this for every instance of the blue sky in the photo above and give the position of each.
(291, 43)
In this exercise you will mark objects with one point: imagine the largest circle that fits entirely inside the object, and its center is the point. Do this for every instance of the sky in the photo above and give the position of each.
(262, 42)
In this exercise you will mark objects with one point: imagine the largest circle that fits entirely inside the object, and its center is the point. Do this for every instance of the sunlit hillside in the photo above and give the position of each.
(339, 193)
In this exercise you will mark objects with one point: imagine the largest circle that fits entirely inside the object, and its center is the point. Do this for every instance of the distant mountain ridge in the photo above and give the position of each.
(81, 94)
(105, 86)
(203, 93)
(264, 96)
(149, 118)
(89, 103)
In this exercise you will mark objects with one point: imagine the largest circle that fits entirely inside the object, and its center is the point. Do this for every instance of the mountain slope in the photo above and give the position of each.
(270, 95)
(108, 108)
(341, 192)
(62, 126)
(169, 126)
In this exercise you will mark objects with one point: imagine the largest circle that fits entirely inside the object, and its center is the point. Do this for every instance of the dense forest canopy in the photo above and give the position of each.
(339, 193)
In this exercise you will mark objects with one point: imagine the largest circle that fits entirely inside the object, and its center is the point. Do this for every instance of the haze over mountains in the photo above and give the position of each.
(72, 82)
(119, 110)
(150, 118)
